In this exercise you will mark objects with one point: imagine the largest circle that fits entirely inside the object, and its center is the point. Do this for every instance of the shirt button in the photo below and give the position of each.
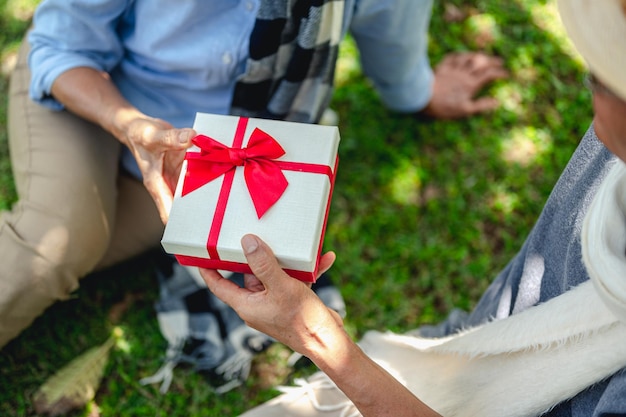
(249, 6)
(227, 58)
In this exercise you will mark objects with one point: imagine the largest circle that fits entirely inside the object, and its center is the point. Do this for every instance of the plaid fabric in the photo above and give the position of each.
(291, 67)
(203, 332)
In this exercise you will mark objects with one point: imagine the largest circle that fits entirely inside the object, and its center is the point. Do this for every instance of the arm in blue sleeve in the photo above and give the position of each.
(392, 37)
(70, 34)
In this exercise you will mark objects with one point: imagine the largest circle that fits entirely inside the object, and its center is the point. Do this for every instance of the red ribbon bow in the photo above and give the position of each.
(265, 180)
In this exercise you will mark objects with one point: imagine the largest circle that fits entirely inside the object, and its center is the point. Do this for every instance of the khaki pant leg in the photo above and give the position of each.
(138, 226)
(66, 175)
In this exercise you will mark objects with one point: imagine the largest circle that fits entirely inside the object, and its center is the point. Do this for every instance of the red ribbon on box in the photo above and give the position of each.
(264, 178)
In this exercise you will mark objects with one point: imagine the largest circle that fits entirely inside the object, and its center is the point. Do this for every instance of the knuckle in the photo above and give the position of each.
(262, 267)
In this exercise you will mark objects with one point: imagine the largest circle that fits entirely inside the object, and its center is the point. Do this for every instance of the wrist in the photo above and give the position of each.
(332, 349)
(118, 119)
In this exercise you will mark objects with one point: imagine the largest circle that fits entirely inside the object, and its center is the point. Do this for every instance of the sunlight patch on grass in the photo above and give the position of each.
(504, 201)
(7, 62)
(545, 14)
(16, 15)
(524, 58)
(482, 30)
(406, 184)
(348, 64)
(510, 97)
(524, 145)
(21, 9)
(121, 342)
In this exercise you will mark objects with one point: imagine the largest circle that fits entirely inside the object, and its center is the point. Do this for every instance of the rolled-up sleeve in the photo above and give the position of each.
(69, 34)
(392, 37)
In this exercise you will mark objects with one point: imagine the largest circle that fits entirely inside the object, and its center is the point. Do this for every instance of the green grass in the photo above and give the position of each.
(424, 213)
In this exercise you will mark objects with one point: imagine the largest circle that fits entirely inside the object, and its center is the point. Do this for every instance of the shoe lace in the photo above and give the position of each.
(321, 382)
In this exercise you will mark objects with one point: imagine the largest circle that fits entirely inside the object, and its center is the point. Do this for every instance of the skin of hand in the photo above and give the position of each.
(158, 147)
(459, 77)
(289, 311)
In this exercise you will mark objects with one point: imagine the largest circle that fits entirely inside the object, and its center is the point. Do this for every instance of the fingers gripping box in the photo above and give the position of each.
(243, 175)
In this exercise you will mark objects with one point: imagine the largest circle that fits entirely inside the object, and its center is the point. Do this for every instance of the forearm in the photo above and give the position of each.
(92, 95)
(157, 146)
(286, 309)
(372, 389)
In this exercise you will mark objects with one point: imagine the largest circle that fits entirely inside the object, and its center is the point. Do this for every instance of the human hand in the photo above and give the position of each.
(459, 77)
(157, 146)
(275, 303)
(159, 149)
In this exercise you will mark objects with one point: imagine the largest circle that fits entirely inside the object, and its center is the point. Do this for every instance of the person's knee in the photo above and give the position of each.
(84, 233)
(32, 279)
(71, 239)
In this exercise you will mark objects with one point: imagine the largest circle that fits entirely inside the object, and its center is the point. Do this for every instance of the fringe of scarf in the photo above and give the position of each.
(293, 51)
(529, 362)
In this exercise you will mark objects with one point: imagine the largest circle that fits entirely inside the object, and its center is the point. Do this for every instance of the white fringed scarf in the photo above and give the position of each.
(529, 362)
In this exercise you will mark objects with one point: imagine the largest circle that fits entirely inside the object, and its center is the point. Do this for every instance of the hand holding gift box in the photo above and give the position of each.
(270, 178)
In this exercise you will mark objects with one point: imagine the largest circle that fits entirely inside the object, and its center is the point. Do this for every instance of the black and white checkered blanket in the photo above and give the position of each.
(208, 335)
(293, 51)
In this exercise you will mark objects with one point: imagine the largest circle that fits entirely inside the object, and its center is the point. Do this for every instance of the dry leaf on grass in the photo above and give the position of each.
(74, 385)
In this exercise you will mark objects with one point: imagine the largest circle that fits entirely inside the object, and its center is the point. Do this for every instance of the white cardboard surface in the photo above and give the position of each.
(292, 227)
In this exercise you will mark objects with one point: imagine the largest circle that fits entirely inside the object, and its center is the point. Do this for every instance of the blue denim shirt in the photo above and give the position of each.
(172, 59)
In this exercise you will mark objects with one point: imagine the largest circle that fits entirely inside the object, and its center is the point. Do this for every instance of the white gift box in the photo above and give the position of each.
(206, 224)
